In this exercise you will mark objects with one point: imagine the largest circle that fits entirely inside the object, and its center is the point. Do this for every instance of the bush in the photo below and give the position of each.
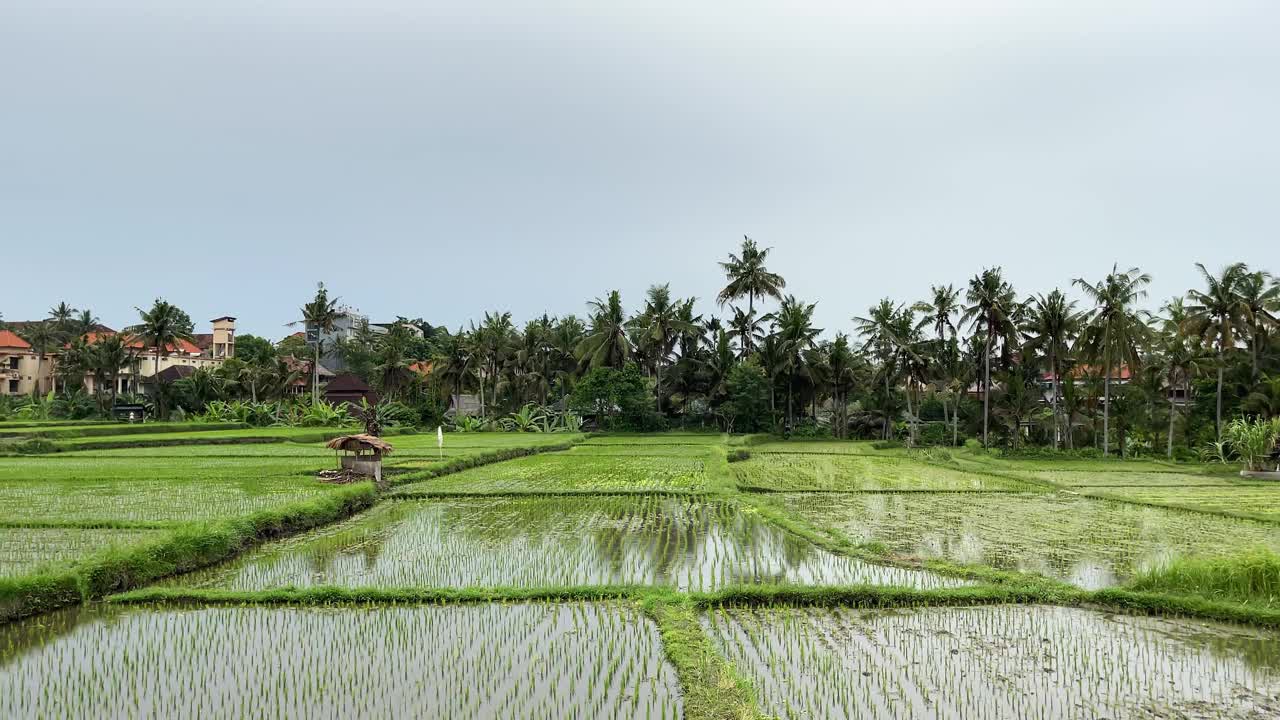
(1254, 441)
(739, 455)
(888, 445)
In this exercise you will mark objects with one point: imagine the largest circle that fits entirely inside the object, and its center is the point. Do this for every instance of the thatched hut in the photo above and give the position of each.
(362, 454)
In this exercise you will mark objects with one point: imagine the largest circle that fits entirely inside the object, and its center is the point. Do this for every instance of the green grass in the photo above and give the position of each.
(827, 471)
(1250, 577)
(1088, 543)
(59, 431)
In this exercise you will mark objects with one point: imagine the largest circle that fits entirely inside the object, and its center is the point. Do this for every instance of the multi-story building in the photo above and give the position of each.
(25, 372)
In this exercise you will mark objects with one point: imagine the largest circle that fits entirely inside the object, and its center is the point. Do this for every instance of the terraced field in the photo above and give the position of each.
(633, 576)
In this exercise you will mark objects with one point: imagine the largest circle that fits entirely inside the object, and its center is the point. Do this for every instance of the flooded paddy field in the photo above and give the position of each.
(1087, 542)
(456, 661)
(24, 550)
(576, 472)
(829, 471)
(1002, 661)
(682, 542)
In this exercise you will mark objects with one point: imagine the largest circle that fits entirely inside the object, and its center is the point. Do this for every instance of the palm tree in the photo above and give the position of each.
(42, 336)
(455, 358)
(1265, 400)
(607, 343)
(1259, 298)
(938, 311)
(1113, 330)
(746, 327)
(748, 277)
(992, 311)
(319, 316)
(84, 323)
(661, 325)
(1215, 316)
(60, 315)
(841, 375)
(796, 333)
(878, 329)
(161, 328)
(106, 356)
(491, 344)
(1051, 327)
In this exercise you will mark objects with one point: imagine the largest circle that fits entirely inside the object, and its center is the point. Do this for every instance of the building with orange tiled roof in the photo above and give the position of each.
(22, 372)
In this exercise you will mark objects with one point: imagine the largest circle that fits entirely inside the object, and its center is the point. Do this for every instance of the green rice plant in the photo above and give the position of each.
(998, 661)
(679, 542)
(27, 550)
(1260, 501)
(1088, 543)
(826, 471)
(1250, 577)
(457, 661)
(557, 472)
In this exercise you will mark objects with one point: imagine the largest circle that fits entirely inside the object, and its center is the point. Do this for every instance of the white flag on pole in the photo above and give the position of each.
(440, 440)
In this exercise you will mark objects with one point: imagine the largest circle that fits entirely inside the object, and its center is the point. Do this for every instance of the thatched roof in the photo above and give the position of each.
(356, 443)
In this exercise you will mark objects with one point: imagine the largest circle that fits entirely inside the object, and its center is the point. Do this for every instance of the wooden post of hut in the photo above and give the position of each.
(362, 454)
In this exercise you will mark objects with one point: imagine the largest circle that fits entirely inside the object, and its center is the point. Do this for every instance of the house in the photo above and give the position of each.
(302, 385)
(350, 389)
(463, 405)
(19, 365)
(17, 354)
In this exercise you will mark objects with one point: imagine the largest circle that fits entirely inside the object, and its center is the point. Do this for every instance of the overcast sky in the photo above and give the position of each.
(438, 160)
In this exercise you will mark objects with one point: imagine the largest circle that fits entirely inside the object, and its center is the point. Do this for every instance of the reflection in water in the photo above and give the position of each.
(998, 662)
(1089, 543)
(684, 542)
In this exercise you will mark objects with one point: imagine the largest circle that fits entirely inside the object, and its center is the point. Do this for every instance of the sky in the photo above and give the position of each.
(438, 160)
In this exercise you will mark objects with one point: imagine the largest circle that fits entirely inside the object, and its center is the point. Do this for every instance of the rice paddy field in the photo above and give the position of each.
(571, 660)
(630, 576)
(1009, 661)
(654, 540)
(1089, 543)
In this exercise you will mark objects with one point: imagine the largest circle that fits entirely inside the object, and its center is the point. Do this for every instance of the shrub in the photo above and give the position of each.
(1254, 441)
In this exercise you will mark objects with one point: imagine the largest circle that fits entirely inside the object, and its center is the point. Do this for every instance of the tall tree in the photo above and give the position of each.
(878, 330)
(61, 316)
(1051, 327)
(1216, 315)
(1114, 330)
(160, 328)
(107, 355)
(319, 316)
(992, 311)
(748, 277)
(939, 310)
(661, 325)
(606, 344)
(796, 333)
(1259, 303)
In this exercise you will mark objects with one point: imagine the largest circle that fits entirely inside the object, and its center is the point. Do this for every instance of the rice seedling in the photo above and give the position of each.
(1123, 478)
(824, 471)
(681, 542)
(662, 440)
(1259, 501)
(153, 500)
(817, 447)
(456, 661)
(1089, 543)
(24, 550)
(996, 662)
(559, 472)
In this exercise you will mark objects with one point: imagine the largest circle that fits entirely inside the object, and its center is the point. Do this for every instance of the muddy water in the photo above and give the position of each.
(470, 661)
(533, 542)
(999, 662)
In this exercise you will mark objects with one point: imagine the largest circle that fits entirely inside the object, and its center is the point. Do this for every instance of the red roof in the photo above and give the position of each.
(1080, 371)
(184, 346)
(423, 368)
(10, 339)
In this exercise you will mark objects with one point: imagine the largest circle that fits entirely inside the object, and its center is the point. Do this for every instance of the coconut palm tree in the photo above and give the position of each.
(748, 277)
(1216, 315)
(938, 311)
(992, 311)
(161, 328)
(319, 316)
(878, 330)
(107, 355)
(61, 315)
(842, 375)
(607, 343)
(1051, 326)
(747, 328)
(1114, 330)
(661, 325)
(1259, 301)
(84, 323)
(796, 333)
